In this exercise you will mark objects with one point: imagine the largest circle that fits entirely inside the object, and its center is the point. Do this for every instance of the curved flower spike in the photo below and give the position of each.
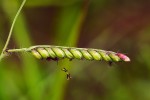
(60, 52)
(55, 53)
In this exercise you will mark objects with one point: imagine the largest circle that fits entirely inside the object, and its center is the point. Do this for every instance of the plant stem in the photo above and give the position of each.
(10, 32)
(16, 50)
(52, 52)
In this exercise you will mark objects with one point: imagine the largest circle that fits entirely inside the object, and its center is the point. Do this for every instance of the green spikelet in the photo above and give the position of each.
(60, 52)
(75, 53)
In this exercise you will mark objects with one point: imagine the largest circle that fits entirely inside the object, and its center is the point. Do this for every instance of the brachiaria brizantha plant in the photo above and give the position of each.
(50, 52)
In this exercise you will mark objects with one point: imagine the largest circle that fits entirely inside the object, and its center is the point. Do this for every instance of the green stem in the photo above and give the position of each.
(16, 50)
(10, 32)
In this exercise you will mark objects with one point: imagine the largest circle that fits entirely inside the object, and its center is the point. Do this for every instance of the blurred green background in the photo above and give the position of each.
(117, 25)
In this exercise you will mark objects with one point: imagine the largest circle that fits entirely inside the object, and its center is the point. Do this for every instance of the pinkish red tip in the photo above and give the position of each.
(123, 57)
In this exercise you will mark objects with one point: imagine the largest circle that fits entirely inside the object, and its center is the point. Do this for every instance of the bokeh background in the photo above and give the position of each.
(117, 25)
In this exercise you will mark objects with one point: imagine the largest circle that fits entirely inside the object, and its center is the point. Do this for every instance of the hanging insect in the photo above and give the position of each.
(67, 73)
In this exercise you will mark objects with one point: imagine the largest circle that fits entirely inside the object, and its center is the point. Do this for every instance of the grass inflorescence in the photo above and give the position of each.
(50, 52)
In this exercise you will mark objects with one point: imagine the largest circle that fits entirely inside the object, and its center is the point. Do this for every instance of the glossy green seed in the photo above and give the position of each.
(77, 54)
(36, 54)
(95, 55)
(68, 54)
(114, 57)
(58, 52)
(105, 56)
(43, 52)
(51, 53)
(86, 55)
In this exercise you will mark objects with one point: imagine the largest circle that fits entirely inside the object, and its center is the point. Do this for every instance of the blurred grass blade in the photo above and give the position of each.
(31, 71)
(71, 19)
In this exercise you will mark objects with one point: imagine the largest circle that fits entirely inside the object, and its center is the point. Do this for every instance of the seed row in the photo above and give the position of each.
(55, 52)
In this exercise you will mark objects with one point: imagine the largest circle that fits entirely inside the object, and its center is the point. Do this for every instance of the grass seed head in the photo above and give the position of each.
(59, 52)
